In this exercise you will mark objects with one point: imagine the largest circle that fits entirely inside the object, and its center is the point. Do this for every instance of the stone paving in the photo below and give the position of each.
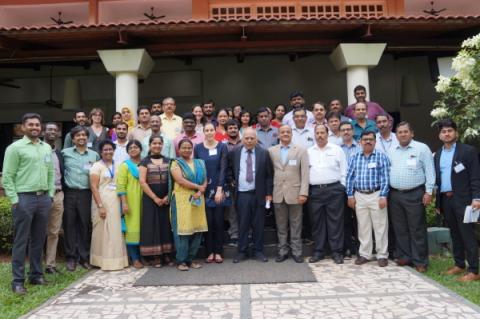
(342, 291)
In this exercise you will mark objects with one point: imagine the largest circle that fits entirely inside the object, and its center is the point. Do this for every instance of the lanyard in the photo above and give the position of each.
(111, 171)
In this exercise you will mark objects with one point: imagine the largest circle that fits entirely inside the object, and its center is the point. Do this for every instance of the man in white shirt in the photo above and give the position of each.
(120, 155)
(328, 168)
(333, 122)
(297, 101)
(386, 139)
(302, 134)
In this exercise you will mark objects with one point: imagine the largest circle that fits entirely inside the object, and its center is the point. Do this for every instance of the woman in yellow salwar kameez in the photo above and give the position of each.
(130, 192)
(187, 207)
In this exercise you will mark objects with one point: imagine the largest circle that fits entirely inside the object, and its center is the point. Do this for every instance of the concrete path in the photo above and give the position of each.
(342, 291)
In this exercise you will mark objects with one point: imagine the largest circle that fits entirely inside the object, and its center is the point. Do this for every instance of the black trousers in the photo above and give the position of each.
(214, 236)
(250, 214)
(350, 241)
(463, 235)
(77, 224)
(326, 209)
(408, 217)
(30, 219)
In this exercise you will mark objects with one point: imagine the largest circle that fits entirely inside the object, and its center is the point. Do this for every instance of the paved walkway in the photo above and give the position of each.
(342, 291)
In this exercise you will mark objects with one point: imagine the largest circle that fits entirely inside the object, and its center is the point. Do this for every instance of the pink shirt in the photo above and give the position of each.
(373, 109)
(197, 138)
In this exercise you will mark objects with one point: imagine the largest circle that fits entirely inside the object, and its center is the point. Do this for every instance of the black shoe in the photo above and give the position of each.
(233, 242)
(307, 241)
(38, 281)
(316, 258)
(348, 253)
(261, 257)
(239, 257)
(52, 270)
(281, 258)
(71, 265)
(19, 289)
(298, 259)
(338, 259)
(86, 265)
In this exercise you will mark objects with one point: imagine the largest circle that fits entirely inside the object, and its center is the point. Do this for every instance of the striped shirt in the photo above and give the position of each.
(412, 166)
(368, 173)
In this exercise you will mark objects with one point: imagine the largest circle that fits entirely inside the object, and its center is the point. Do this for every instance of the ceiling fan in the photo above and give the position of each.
(152, 16)
(59, 20)
(7, 82)
(432, 10)
(51, 102)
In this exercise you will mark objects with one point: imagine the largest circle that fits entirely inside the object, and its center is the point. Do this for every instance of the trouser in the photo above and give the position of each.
(232, 220)
(77, 224)
(30, 218)
(53, 228)
(326, 210)
(289, 215)
(408, 217)
(250, 213)
(214, 236)
(463, 235)
(306, 226)
(350, 241)
(187, 247)
(133, 251)
(369, 216)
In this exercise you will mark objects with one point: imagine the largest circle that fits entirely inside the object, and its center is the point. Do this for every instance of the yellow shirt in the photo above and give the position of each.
(171, 127)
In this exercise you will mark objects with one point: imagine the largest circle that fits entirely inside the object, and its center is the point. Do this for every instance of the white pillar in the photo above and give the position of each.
(127, 66)
(356, 59)
(126, 91)
(356, 75)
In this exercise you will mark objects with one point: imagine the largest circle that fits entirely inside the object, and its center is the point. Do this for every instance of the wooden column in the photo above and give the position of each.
(93, 11)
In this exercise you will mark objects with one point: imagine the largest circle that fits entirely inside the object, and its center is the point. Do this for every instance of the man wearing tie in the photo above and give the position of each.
(250, 170)
(290, 191)
(458, 181)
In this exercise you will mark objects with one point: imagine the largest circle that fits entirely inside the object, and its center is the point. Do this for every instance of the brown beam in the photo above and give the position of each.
(92, 11)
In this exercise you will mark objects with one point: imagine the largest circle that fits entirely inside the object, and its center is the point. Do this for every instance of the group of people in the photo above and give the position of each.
(148, 193)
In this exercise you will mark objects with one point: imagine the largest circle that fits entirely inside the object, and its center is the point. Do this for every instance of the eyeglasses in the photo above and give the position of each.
(368, 139)
(345, 130)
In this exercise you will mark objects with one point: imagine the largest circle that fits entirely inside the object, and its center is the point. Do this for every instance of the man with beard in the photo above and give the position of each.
(79, 118)
(209, 112)
(56, 212)
(143, 128)
(77, 223)
(373, 108)
(29, 182)
(156, 107)
(458, 181)
(386, 139)
(297, 101)
(120, 154)
(336, 105)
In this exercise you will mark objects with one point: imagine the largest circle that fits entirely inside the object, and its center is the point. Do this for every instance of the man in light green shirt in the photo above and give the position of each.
(29, 182)
(78, 199)
(156, 124)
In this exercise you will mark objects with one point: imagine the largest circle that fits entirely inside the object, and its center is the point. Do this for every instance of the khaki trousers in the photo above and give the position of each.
(369, 216)
(289, 217)
(53, 228)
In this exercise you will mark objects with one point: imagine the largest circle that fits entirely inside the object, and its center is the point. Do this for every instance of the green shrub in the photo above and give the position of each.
(433, 220)
(6, 225)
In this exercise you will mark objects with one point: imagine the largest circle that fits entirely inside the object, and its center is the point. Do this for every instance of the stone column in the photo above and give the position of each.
(127, 66)
(356, 59)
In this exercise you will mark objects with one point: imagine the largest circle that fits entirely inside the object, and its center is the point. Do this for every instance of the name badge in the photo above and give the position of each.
(212, 152)
(48, 158)
(89, 144)
(412, 162)
(372, 165)
(292, 162)
(87, 166)
(112, 187)
(458, 168)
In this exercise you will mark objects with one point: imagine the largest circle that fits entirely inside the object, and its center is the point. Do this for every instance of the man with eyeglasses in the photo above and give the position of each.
(367, 190)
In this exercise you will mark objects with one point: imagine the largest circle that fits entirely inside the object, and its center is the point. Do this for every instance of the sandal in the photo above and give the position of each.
(168, 261)
(195, 265)
(157, 263)
(210, 259)
(218, 258)
(137, 264)
(182, 267)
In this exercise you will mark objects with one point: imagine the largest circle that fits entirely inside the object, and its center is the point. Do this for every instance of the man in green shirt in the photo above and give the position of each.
(77, 225)
(28, 179)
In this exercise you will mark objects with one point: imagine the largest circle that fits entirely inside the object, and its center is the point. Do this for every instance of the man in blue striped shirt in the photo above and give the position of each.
(412, 178)
(367, 191)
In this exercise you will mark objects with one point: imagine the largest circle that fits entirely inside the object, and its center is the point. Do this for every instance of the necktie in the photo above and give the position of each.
(249, 166)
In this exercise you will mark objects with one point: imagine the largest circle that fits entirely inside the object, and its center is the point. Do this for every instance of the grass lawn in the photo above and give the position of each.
(13, 306)
(439, 265)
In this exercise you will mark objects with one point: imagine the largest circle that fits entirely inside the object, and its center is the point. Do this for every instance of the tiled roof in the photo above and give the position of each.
(250, 21)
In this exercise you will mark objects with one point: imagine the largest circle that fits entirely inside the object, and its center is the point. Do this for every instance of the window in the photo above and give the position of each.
(320, 11)
(276, 12)
(364, 10)
(226, 13)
